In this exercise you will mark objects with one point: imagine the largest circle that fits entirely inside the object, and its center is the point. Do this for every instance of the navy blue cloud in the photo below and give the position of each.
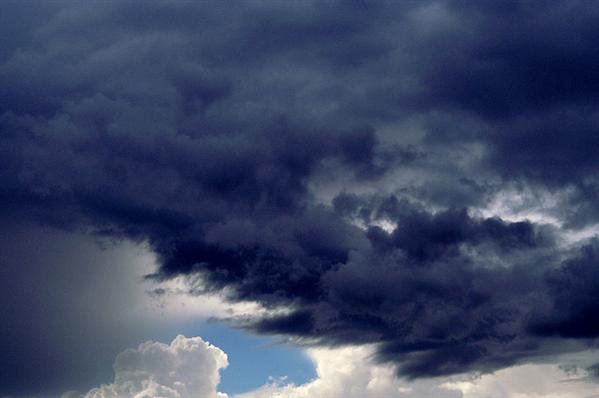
(264, 147)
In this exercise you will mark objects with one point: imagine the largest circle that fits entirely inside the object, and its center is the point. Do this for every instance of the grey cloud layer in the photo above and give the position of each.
(214, 132)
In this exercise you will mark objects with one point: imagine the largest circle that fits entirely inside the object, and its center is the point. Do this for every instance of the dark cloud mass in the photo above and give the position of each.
(335, 159)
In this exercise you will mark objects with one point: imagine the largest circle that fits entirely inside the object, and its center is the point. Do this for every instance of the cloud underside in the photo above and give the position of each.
(342, 163)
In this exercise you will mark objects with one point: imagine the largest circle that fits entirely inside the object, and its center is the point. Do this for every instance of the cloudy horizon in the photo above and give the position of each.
(263, 199)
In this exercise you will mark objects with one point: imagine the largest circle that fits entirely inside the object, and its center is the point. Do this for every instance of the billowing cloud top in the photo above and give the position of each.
(185, 368)
(414, 175)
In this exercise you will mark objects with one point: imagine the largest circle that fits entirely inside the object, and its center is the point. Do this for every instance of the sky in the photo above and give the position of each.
(309, 199)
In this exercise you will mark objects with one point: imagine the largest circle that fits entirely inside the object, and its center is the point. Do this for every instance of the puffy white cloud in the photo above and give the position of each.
(527, 381)
(187, 368)
(350, 373)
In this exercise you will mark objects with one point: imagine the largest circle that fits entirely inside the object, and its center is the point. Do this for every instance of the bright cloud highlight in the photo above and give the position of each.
(187, 368)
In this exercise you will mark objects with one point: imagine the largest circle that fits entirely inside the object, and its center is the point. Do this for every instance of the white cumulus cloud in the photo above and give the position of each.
(189, 368)
(351, 373)
(185, 368)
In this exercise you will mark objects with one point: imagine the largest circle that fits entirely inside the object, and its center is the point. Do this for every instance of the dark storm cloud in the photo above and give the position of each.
(441, 293)
(322, 157)
(510, 58)
(575, 287)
